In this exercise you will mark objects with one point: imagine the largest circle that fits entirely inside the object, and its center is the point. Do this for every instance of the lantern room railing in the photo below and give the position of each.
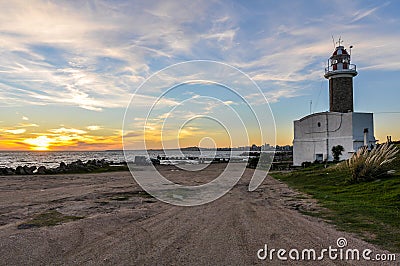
(350, 67)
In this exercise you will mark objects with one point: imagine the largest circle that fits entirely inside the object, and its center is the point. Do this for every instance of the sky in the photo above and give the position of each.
(70, 70)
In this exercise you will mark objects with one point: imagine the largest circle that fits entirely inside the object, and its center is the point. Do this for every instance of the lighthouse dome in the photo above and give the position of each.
(340, 50)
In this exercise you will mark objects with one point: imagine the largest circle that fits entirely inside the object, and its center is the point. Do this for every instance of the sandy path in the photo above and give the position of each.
(143, 231)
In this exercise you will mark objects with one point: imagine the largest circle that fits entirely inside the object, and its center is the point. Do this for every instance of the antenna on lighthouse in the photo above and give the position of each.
(333, 40)
(351, 46)
(340, 41)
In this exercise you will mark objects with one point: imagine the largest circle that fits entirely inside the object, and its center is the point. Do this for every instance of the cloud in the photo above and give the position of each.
(274, 96)
(93, 128)
(229, 102)
(93, 55)
(64, 130)
(25, 118)
(16, 131)
(133, 134)
(224, 38)
(64, 59)
(360, 14)
(27, 125)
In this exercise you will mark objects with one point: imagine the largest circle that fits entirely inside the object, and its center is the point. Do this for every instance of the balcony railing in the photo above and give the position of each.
(350, 67)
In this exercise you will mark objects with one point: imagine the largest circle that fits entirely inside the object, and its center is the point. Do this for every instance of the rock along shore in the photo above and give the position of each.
(74, 167)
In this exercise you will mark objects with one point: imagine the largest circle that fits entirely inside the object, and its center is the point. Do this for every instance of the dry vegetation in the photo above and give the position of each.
(367, 165)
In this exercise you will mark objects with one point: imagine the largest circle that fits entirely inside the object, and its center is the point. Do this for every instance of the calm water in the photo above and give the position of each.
(53, 158)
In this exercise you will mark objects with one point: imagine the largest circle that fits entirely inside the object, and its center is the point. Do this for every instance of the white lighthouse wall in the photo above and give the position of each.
(363, 121)
(316, 134)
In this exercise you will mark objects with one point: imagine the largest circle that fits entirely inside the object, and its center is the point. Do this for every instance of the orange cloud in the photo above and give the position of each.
(16, 131)
(59, 139)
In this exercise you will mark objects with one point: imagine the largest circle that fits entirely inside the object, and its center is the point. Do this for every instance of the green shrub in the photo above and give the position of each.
(253, 162)
(336, 152)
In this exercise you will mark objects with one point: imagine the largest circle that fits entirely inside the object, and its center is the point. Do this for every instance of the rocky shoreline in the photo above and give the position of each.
(73, 167)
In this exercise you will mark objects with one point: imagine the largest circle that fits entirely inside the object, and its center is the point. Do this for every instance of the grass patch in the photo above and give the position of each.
(108, 169)
(142, 194)
(49, 218)
(122, 196)
(369, 209)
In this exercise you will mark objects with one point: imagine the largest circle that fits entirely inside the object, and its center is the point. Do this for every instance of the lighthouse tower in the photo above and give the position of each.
(340, 73)
(316, 134)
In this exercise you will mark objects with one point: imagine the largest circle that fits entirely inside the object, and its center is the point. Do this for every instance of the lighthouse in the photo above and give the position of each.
(316, 134)
(340, 73)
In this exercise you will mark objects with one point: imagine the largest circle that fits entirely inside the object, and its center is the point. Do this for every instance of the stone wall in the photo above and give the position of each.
(341, 94)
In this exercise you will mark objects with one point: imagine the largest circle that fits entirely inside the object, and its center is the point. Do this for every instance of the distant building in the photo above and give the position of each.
(316, 134)
(266, 147)
(283, 148)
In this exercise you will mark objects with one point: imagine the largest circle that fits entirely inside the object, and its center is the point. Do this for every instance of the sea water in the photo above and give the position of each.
(51, 159)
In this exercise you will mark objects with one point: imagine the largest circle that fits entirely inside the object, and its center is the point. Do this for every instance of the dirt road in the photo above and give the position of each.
(124, 226)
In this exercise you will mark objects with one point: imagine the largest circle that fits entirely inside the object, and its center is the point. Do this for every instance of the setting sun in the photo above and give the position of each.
(40, 143)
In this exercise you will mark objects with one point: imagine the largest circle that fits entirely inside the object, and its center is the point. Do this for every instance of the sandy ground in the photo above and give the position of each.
(124, 227)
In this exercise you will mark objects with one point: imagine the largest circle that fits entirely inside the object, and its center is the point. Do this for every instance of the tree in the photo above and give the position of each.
(336, 152)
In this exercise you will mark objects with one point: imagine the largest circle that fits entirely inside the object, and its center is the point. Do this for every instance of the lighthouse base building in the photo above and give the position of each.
(315, 135)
